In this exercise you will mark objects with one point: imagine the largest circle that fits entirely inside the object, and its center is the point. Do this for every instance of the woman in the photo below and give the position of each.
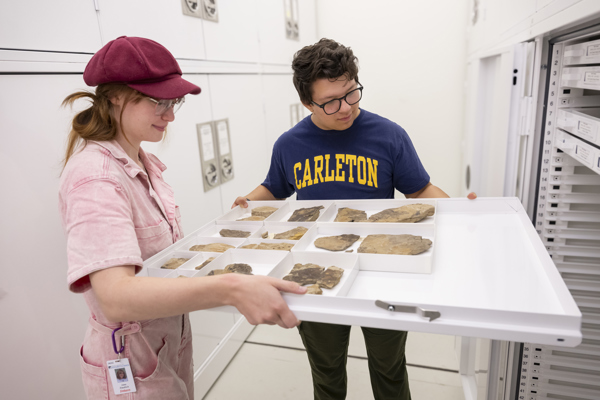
(117, 211)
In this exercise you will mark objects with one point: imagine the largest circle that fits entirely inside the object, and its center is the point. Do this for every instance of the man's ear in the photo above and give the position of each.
(310, 107)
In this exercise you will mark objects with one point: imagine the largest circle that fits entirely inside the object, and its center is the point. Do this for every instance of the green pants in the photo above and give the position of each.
(327, 349)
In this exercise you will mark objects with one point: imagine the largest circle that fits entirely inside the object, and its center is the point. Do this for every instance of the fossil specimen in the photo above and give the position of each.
(234, 233)
(208, 260)
(174, 263)
(336, 243)
(394, 244)
(407, 213)
(263, 211)
(305, 214)
(346, 214)
(214, 247)
(293, 234)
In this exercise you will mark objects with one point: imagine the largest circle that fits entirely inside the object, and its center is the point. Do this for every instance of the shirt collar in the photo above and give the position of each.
(130, 167)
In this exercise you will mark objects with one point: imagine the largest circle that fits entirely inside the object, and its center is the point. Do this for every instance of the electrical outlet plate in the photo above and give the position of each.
(209, 9)
(224, 154)
(208, 156)
(191, 8)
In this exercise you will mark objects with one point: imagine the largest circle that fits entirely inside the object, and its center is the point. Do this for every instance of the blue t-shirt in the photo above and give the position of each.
(366, 161)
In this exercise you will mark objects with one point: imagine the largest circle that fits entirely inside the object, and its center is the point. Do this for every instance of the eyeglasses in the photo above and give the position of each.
(333, 106)
(162, 106)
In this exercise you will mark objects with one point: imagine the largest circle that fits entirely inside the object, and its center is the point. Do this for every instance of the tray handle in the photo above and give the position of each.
(429, 314)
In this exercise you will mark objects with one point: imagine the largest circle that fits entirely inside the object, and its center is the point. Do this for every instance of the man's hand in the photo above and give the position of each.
(240, 201)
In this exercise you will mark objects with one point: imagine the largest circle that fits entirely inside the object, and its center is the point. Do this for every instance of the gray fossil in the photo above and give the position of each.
(234, 233)
(306, 214)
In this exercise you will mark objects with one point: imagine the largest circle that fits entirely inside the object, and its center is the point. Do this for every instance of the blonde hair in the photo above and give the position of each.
(97, 122)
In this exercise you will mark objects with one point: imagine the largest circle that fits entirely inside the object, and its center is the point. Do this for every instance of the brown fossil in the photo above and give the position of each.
(394, 244)
(214, 247)
(407, 213)
(346, 214)
(306, 214)
(292, 234)
(336, 243)
(234, 233)
(174, 263)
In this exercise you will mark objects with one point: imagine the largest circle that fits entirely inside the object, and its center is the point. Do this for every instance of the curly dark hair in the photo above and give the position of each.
(324, 59)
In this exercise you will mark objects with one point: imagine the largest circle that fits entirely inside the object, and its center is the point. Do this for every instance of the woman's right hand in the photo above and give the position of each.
(259, 299)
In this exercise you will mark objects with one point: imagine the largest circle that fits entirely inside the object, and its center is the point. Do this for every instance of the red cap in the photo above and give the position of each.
(141, 64)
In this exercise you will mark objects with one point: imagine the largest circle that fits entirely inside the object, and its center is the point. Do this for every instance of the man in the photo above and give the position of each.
(344, 152)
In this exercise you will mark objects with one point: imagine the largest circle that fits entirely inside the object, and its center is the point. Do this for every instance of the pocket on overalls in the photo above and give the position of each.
(95, 381)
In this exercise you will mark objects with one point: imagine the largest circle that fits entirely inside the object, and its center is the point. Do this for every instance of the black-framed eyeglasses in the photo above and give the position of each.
(162, 106)
(333, 106)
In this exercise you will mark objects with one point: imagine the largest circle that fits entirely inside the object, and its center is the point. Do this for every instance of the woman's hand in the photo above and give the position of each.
(259, 299)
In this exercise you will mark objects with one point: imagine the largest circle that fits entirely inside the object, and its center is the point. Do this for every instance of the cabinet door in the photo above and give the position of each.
(180, 153)
(33, 291)
(234, 36)
(238, 98)
(46, 26)
(275, 47)
(281, 101)
(162, 21)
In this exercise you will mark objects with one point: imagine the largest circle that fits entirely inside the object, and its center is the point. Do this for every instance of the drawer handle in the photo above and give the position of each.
(430, 314)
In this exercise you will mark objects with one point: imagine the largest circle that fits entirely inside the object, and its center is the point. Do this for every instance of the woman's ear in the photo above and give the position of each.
(115, 100)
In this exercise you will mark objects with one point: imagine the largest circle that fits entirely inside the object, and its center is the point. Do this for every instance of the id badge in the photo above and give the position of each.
(121, 376)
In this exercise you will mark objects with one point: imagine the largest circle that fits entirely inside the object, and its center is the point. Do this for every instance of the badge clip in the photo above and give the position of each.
(114, 343)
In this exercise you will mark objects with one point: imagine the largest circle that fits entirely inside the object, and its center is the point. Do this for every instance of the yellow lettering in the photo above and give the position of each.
(350, 161)
(307, 178)
(297, 166)
(329, 174)
(339, 159)
(372, 172)
(319, 169)
(361, 170)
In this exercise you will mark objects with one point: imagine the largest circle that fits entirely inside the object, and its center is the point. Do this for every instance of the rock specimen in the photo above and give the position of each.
(407, 213)
(305, 214)
(239, 268)
(263, 211)
(314, 289)
(336, 243)
(394, 244)
(214, 247)
(265, 235)
(269, 246)
(205, 263)
(330, 277)
(234, 233)
(293, 234)
(346, 214)
(216, 272)
(174, 263)
(305, 274)
(252, 218)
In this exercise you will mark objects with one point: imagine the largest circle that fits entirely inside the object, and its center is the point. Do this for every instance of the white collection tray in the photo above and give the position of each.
(485, 257)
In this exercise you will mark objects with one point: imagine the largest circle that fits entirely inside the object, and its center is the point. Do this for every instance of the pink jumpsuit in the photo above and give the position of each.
(115, 214)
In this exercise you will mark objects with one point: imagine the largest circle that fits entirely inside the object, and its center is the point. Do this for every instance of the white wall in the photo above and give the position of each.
(412, 64)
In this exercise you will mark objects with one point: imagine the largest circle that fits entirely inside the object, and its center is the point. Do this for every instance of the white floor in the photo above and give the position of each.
(272, 364)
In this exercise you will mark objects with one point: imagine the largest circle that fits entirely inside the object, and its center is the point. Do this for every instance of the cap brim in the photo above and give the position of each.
(168, 89)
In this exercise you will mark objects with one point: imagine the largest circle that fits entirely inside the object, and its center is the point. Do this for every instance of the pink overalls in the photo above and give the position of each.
(113, 216)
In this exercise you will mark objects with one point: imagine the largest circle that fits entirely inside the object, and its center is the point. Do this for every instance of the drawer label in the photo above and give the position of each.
(593, 50)
(586, 130)
(208, 151)
(584, 153)
(592, 77)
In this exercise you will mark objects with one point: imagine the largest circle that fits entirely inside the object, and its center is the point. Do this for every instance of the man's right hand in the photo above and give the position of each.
(240, 201)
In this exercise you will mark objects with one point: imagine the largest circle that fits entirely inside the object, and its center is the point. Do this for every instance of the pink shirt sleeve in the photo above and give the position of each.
(100, 232)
